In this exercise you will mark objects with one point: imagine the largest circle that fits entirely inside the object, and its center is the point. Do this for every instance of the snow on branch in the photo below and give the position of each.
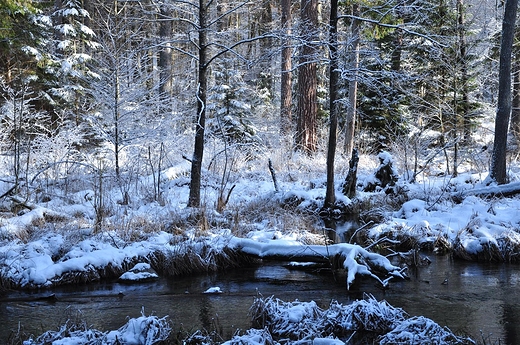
(355, 259)
(502, 190)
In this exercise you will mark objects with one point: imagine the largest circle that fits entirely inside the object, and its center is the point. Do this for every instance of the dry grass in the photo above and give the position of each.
(284, 216)
(190, 258)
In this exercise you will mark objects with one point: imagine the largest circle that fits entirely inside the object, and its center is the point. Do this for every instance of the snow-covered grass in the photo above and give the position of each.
(78, 230)
(364, 321)
(46, 236)
(143, 330)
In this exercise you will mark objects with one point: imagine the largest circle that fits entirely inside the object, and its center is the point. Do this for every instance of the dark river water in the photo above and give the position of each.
(479, 300)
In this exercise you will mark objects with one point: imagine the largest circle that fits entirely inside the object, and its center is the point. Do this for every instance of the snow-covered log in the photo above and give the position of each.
(502, 190)
(355, 259)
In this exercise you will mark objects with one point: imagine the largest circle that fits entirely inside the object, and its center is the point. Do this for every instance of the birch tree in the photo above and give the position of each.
(350, 121)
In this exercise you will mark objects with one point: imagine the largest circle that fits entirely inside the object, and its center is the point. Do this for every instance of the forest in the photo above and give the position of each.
(191, 136)
(122, 88)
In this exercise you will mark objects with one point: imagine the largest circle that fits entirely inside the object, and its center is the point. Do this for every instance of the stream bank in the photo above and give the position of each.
(477, 300)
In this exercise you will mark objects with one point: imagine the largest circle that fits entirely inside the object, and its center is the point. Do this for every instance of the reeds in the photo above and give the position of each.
(190, 258)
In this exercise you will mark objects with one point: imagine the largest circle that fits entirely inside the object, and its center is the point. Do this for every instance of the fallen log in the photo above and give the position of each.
(351, 257)
(503, 190)
(17, 224)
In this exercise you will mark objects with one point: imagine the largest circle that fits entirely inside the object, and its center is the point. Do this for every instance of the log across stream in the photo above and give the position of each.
(356, 260)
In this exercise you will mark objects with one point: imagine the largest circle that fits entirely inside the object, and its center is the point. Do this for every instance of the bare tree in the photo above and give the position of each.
(350, 121)
(210, 45)
(200, 124)
(330, 196)
(498, 161)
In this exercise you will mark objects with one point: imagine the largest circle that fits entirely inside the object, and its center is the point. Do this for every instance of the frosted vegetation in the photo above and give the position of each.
(87, 226)
(96, 152)
(365, 321)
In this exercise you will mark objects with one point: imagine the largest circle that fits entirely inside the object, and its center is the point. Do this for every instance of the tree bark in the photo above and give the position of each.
(286, 82)
(330, 195)
(350, 121)
(349, 186)
(498, 160)
(165, 54)
(198, 151)
(515, 109)
(466, 123)
(306, 130)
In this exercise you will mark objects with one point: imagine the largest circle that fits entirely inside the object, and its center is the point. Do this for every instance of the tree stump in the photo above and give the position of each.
(349, 186)
(385, 176)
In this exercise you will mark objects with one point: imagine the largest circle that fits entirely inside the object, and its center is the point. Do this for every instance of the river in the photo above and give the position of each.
(477, 300)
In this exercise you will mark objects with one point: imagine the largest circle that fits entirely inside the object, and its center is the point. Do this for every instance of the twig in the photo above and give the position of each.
(9, 191)
(361, 228)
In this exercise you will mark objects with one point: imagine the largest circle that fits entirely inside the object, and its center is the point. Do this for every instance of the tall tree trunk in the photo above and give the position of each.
(165, 54)
(330, 195)
(198, 151)
(350, 121)
(58, 20)
(117, 148)
(306, 130)
(466, 121)
(265, 45)
(286, 82)
(498, 160)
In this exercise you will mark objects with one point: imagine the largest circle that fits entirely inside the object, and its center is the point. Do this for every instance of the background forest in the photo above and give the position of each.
(97, 94)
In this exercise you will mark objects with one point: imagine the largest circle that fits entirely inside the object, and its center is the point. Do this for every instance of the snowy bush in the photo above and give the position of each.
(421, 330)
(252, 337)
(144, 330)
(364, 321)
(296, 320)
(363, 315)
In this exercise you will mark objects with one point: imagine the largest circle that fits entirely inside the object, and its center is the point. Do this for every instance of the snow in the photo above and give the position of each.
(67, 29)
(143, 330)
(214, 289)
(307, 323)
(140, 272)
(42, 245)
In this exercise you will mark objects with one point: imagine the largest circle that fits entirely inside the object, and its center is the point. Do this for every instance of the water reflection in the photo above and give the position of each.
(478, 298)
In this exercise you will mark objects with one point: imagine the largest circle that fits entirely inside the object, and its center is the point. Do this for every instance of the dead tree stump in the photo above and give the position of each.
(349, 186)
(384, 177)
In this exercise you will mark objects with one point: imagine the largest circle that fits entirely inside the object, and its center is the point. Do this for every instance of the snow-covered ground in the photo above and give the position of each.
(48, 239)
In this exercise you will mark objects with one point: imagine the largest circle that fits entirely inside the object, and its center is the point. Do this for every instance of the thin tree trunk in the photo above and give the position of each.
(286, 82)
(498, 160)
(306, 130)
(116, 122)
(350, 121)
(198, 151)
(330, 196)
(117, 95)
(515, 109)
